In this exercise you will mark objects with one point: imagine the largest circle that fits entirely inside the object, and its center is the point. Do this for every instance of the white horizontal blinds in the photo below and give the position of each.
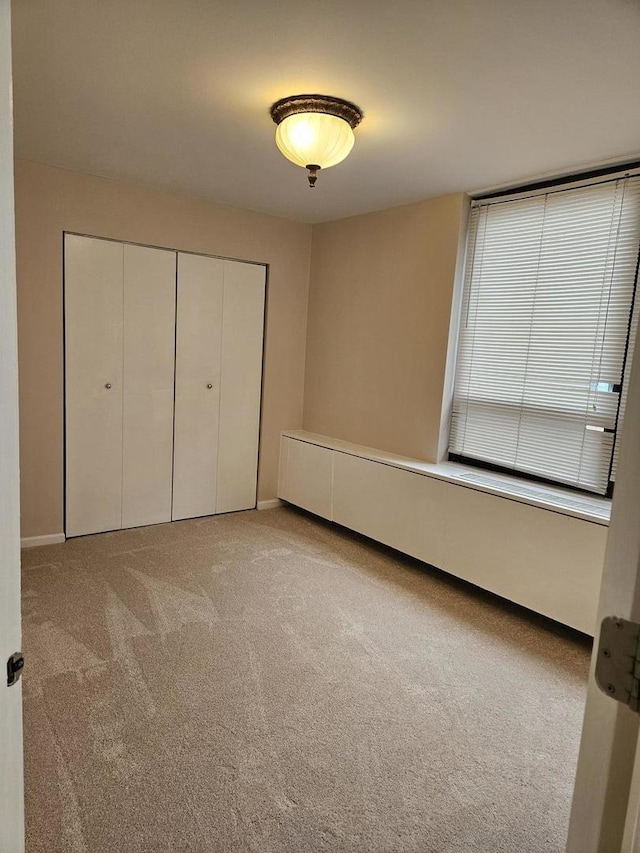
(548, 288)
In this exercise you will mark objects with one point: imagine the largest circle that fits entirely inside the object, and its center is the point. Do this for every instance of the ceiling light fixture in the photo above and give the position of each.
(315, 131)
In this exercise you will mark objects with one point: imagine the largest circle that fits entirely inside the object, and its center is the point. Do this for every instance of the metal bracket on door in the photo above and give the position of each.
(15, 665)
(618, 662)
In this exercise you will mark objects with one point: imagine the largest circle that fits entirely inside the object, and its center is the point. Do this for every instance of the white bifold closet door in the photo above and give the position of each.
(147, 406)
(220, 317)
(240, 385)
(119, 366)
(93, 380)
(197, 403)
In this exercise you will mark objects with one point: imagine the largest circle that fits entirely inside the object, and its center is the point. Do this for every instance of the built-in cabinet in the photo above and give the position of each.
(541, 558)
(163, 374)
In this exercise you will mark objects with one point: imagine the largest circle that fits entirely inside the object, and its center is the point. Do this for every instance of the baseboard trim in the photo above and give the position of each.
(270, 504)
(49, 539)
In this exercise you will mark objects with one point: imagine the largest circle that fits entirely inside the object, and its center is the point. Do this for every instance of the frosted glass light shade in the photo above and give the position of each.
(314, 139)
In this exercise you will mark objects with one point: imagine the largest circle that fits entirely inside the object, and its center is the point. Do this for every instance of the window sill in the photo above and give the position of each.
(554, 499)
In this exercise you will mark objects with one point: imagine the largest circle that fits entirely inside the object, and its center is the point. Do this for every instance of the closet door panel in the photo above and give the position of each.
(198, 341)
(241, 382)
(93, 384)
(149, 345)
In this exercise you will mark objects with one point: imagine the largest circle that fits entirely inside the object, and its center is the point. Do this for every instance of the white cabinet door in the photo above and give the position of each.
(240, 385)
(400, 508)
(197, 389)
(93, 394)
(306, 476)
(149, 344)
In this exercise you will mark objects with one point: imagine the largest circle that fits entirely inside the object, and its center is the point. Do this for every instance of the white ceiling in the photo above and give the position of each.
(457, 94)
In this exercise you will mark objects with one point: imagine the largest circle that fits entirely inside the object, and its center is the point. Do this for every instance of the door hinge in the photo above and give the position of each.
(15, 665)
(618, 661)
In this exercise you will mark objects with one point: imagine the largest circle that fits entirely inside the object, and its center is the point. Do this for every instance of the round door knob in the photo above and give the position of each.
(108, 386)
(209, 386)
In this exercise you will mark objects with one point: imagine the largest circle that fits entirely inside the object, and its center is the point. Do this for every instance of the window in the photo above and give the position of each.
(546, 322)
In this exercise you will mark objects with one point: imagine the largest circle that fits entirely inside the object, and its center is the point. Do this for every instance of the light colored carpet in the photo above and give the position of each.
(264, 682)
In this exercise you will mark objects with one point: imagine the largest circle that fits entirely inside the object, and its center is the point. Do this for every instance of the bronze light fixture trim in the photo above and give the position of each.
(315, 131)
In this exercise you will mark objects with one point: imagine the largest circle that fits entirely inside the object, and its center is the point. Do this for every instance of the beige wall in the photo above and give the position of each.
(376, 336)
(379, 310)
(50, 201)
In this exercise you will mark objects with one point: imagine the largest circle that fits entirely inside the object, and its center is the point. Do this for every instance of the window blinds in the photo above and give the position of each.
(548, 292)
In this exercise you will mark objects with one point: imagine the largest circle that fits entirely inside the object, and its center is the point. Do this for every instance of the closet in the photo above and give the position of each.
(163, 374)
